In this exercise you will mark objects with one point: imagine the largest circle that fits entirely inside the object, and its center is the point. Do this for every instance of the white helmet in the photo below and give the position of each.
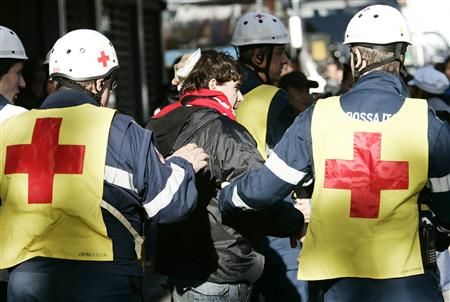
(82, 55)
(377, 24)
(259, 28)
(10, 45)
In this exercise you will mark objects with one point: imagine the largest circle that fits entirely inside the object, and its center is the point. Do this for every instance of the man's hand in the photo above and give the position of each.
(193, 154)
(303, 205)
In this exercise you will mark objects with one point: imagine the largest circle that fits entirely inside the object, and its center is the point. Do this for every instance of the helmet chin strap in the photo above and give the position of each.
(266, 69)
(398, 49)
(268, 51)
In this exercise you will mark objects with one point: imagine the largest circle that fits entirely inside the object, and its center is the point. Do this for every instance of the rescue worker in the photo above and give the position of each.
(12, 57)
(218, 261)
(77, 182)
(260, 40)
(371, 152)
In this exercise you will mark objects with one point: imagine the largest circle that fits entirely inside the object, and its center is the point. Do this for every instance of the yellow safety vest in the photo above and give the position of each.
(368, 176)
(253, 112)
(51, 185)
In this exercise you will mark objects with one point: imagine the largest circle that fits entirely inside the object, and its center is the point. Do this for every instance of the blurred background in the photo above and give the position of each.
(149, 35)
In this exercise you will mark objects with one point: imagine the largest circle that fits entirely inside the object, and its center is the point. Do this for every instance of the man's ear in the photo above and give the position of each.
(359, 61)
(212, 84)
(99, 83)
(258, 56)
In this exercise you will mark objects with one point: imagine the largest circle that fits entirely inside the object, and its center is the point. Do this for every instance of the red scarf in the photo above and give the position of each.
(204, 98)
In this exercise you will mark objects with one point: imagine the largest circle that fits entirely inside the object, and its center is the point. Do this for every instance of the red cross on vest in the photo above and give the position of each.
(44, 158)
(366, 175)
(103, 58)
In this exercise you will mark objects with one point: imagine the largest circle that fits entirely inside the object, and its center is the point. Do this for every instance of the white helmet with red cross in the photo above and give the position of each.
(81, 55)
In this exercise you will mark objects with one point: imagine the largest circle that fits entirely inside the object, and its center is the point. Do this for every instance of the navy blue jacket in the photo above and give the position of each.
(3, 102)
(377, 95)
(135, 174)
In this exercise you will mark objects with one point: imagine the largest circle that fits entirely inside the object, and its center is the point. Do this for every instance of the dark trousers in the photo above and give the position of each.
(3, 287)
(73, 287)
(279, 279)
(423, 288)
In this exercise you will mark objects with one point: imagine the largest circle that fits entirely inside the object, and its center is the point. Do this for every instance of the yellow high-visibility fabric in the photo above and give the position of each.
(70, 225)
(253, 112)
(386, 246)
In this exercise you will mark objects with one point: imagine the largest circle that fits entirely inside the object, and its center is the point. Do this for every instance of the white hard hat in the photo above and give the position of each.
(259, 28)
(83, 54)
(10, 45)
(377, 24)
(47, 58)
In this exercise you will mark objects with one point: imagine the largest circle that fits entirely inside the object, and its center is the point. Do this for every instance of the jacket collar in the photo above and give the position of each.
(379, 80)
(3, 102)
(251, 79)
(65, 97)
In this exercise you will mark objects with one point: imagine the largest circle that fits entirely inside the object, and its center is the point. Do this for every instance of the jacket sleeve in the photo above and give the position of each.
(236, 154)
(284, 169)
(167, 187)
(439, 171)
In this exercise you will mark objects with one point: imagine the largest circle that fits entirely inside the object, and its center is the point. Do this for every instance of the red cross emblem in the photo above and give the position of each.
(103, 58)
(44, 158)
(366, 175)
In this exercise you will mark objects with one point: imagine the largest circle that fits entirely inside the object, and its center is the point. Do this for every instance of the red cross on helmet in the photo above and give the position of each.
(82, 54)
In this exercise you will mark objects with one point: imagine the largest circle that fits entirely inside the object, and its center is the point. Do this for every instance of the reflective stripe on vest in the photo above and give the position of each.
(253, 112)
(51, 185)
(368, 176)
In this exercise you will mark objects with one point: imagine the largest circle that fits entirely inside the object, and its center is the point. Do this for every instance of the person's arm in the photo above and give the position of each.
(438, 185)
(285, 168)
(281, 219)
(439, 175)
(168, 186)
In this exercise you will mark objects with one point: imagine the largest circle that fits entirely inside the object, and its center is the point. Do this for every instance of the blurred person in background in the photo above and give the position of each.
(333, 75)
(297, 87)
(444, 67)
(430, 84)
(347, 79)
